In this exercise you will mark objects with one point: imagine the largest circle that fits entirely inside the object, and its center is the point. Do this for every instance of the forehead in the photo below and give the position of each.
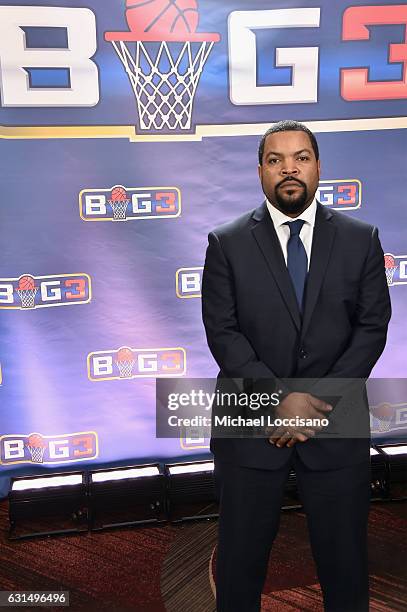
(287, 142)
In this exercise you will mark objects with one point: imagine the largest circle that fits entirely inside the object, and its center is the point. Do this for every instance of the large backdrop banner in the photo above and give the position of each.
(128, 132)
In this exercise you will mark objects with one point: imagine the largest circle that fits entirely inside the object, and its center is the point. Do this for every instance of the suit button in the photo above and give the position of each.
(303, 353)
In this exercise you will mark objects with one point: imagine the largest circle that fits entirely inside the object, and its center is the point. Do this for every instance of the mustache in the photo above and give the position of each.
(290, 179)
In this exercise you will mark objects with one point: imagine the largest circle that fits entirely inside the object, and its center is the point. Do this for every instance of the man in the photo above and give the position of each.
(293, 289)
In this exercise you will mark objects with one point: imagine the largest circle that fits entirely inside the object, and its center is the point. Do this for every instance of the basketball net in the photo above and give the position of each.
(389, 274)
(164, 80)
(37, 453)
(27, 297)
(119, 208)
(125, 368)
(383, 425)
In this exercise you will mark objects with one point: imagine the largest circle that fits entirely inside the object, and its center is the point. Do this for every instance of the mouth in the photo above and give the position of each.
(290, 188)
(291, 184)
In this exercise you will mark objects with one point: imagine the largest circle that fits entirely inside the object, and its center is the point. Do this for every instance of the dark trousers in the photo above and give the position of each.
(336, 503)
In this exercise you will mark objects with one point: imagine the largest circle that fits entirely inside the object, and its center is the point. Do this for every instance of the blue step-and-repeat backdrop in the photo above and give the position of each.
(126, 135)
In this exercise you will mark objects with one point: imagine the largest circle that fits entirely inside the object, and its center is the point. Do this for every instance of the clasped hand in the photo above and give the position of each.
(298, 405)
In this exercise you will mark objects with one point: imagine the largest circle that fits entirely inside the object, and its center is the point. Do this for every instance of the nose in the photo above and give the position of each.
(289, 169)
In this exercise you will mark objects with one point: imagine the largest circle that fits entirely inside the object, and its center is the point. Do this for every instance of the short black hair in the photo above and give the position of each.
(289, 125)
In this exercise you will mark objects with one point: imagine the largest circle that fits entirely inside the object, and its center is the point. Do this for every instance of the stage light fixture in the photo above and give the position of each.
(394, 450)
(121, 497)
(48, 505)
(191, 491)
(396, 458)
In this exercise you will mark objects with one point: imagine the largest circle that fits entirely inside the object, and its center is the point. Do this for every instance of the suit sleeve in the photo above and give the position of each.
(229, 346)
(372, 317)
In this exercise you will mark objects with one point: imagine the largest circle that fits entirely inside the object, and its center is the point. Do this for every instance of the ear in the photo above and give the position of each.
(319, 167)
(260, 171)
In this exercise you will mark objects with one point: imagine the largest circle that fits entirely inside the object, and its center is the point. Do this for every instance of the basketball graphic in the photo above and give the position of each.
(118, 194)
(163, 74)
(119, 202)
(389, 261)
(125, 354)
(390, 267)
(36, 446)
(26, 291)
(161, 17)
(26, 282)
(384, 414)
(36, 440)
(125, 361)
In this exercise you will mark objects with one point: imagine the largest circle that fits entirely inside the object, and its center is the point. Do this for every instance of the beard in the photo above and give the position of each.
(291, 203)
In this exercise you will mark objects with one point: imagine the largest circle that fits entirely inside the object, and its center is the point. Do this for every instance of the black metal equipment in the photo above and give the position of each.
(120, 497)
(48, 505)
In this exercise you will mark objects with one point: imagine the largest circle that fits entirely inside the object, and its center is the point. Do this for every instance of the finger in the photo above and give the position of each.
(319, 405)
(276, 435)
(300, 437)
(281, 436)
(308, 433)
(291, 442)
(317, 415)
(284, 439)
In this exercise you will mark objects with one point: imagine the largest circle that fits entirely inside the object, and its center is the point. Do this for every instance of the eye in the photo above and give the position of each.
(303, 157)
(273, 160)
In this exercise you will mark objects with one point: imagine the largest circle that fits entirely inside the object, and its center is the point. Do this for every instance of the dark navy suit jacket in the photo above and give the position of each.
(255, 330)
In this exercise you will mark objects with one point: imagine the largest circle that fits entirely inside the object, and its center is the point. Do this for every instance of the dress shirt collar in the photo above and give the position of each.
(280, 218)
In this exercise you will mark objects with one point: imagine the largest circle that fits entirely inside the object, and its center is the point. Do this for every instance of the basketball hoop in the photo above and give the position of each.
(389, 275)
(125, 368)
(119, 202)
(26, 290)
(383, 415)
(382, 426)
(119, 208)
(36, 447)
(164, 74)
(27, 297)
(37, 453)
(125, 362)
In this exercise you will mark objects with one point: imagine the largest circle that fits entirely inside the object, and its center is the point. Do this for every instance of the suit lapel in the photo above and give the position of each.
(267, 239)
(322, 241)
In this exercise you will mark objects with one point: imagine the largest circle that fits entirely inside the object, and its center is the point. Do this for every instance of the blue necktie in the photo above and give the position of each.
(297, 261)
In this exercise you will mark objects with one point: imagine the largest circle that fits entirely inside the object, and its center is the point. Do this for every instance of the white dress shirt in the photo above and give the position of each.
(283, 231)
